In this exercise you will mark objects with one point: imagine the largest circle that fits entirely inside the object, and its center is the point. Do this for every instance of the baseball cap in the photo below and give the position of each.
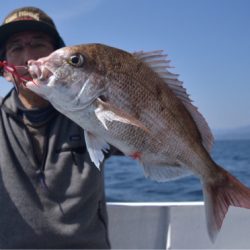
(28, 18)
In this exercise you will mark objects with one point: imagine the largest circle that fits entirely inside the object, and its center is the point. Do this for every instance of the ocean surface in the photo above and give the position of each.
(125, 181)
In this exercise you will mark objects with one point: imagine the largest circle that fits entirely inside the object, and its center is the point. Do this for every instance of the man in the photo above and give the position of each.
(51, 195)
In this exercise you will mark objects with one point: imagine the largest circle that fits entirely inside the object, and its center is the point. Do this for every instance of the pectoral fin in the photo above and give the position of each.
(106, 112)
(96, 147)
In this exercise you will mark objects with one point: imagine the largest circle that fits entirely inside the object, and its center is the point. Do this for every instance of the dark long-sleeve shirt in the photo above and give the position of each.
(51, 196)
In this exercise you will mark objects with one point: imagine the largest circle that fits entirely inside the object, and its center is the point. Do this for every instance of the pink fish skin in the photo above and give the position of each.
(133, 101)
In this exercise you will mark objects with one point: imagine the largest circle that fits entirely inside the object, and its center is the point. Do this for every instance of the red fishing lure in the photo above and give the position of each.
(13, 70)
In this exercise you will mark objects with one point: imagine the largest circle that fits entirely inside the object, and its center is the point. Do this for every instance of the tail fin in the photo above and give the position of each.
(219, 196)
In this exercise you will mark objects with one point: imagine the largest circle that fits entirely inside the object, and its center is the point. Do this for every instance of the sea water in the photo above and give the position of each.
(125, 181)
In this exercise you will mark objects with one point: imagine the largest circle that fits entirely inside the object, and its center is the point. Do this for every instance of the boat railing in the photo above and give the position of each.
(174, 225)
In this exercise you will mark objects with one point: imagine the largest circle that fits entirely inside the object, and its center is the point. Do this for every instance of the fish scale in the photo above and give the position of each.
(142, 99)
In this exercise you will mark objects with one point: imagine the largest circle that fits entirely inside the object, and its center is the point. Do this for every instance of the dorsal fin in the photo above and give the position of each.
(157, 61)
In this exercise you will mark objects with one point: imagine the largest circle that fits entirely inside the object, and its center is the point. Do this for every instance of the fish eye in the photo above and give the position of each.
(76, 60)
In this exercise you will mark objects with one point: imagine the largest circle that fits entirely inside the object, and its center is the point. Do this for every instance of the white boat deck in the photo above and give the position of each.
(176, 225)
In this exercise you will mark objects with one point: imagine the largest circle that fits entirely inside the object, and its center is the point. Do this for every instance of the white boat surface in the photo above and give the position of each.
(174, 225)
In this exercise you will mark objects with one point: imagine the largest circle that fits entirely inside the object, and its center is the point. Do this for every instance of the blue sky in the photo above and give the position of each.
(208, 42)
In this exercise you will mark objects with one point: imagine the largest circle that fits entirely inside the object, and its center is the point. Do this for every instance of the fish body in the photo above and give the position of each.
(134, 103)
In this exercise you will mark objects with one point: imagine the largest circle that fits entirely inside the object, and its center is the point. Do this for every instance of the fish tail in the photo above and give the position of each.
(219, 195)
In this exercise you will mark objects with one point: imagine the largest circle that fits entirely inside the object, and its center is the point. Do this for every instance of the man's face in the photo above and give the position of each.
(23, 46)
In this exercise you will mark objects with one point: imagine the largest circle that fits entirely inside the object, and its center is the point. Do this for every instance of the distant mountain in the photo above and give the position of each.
(241, 133)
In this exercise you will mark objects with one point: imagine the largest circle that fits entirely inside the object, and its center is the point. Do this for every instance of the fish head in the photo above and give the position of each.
(68, 77)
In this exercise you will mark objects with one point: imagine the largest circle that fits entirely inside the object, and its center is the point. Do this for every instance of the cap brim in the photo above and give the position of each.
(9, 29)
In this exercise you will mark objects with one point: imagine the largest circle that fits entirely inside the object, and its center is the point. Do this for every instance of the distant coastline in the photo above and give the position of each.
(241, 133)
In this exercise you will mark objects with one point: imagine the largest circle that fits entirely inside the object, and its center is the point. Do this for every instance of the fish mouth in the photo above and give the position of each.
(39, 74)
